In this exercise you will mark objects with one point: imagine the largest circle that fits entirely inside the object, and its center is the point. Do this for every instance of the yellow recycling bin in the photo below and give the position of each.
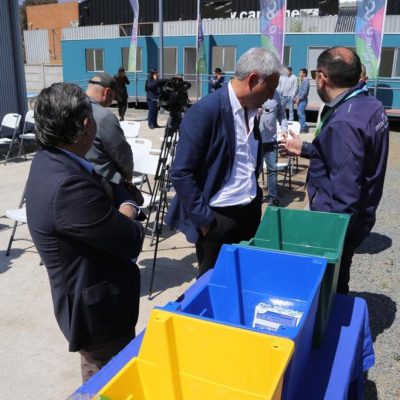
(185, 358)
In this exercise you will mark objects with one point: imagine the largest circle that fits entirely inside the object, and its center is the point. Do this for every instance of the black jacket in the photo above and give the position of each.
(87, 247)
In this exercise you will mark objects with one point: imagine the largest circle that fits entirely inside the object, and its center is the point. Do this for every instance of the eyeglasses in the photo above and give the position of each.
(314, 73)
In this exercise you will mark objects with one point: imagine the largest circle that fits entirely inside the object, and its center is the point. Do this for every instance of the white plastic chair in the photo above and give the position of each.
(146, 164)
(10, 122)
(18, 216)
(29, 119)
(131, 128)
(139, 145)
(294, 126)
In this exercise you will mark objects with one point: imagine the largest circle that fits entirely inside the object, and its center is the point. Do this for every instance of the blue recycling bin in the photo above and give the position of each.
(247, 281)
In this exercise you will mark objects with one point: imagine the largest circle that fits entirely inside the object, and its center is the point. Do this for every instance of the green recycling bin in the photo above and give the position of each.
(308, 233)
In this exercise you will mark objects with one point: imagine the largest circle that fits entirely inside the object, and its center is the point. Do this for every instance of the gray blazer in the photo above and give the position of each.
(110, 154)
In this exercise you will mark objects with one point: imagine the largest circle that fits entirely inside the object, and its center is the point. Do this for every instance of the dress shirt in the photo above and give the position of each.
(241, 187)
(272, 111)
(287, 85)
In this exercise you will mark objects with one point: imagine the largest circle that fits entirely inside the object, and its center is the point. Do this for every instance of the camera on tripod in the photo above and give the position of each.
(174, 94)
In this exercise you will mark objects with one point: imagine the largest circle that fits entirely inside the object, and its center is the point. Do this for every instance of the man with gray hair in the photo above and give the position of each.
(219, 158)
(86, 240)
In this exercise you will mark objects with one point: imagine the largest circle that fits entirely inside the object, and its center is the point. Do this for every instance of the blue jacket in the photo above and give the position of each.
(304, 88)
(203, 162)
(348, 162)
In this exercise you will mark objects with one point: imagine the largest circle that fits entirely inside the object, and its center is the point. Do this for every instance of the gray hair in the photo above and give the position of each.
(59, 114)
(259, 60)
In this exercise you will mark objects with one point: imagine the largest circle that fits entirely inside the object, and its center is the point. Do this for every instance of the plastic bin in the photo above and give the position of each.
(244, 277)
(187, 358)
(311, 233)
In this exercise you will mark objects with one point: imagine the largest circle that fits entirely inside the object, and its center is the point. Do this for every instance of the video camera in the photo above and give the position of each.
(174, 94)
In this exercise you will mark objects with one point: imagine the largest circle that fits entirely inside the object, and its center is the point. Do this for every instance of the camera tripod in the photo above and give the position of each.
(162, 185)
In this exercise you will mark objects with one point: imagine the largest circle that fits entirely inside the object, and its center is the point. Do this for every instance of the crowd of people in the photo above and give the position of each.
(85, 223)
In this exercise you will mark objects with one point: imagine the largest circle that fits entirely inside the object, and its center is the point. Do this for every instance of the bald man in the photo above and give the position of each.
(349, 153)
(111, 155)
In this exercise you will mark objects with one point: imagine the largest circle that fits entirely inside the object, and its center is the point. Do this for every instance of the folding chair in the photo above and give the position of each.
(139, 145)
(146, 164)
(130, 128)
(26, 133)
(294, 126)
(9, 122)
(18, 216)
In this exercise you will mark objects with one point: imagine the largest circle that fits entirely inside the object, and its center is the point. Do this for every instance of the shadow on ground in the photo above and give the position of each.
(374, 243)
(370, 391)
(382, 311)
(169, 273)
(6, 261)
(288, 196)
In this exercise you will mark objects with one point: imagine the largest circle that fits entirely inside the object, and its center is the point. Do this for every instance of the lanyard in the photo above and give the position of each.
(331, 110)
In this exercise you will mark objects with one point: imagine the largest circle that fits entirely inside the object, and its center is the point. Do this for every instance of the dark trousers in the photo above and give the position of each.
(345, 263)
(231, 225)
(153, 112)
(96, 357)
(122, 106)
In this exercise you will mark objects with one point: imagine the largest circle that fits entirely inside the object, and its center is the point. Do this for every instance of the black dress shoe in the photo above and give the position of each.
(157, 126)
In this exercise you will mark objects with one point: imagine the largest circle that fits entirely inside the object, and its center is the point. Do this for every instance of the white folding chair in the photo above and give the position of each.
(138, 145)
(18, 216)
(294, 126)
(9, 123)
(146, 164)
(26, 134)
(131, 128)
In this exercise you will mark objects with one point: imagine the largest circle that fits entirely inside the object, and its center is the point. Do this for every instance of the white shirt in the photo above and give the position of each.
(241, 187)
(287, 85)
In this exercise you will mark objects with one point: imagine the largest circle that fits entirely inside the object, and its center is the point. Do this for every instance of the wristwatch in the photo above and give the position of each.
(304, 149)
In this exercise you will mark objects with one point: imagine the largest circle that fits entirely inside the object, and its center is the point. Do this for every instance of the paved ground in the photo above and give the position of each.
(34, 361)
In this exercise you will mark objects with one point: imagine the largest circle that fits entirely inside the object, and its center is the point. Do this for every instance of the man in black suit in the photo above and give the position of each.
(87, 236)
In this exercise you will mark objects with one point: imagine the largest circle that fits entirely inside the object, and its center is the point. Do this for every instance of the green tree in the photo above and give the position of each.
(22, 8)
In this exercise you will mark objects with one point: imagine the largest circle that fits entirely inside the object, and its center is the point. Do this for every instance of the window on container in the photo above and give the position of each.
(396, 69)
(125, 58)
(287, 52)
(224, 58)
(170, 61)
(94, 60)
(386, 66)
(189, 70)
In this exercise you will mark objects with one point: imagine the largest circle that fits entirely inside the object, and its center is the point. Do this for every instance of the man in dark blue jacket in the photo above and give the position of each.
(86, 235)
(219, 158)
(349, 153)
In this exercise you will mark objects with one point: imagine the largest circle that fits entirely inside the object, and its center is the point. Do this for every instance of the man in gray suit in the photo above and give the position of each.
(110, 154)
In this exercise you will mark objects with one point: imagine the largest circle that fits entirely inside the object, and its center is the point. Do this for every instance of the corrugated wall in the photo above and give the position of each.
(246, 26)
(12, 83)
(303, 24)
(37, 46)
(90, 32)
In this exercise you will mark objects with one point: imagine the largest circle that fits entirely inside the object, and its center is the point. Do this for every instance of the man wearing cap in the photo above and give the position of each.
(110, 154)
(349, 153)
(287, 89)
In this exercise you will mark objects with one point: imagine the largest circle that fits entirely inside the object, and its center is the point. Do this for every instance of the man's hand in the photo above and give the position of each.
(128, 210)
(290, 144)
(296, 100)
